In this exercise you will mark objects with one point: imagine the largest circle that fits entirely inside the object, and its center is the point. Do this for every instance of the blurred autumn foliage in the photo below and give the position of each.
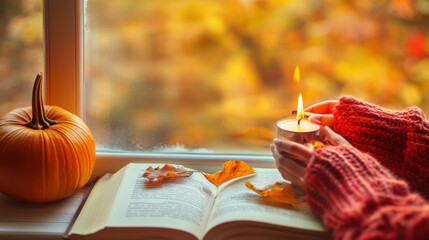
(217, 74)
(21, 51)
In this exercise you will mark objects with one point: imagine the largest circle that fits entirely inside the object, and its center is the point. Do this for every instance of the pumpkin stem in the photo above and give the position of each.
(39, 120)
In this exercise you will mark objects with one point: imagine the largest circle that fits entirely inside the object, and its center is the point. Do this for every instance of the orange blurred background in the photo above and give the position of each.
(215, 76)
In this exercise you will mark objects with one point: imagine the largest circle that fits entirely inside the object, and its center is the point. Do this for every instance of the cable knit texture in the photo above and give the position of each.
(399, 140)
(358, 198)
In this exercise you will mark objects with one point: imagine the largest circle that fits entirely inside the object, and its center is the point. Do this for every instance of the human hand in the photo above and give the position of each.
(292, 158)
(329, 137)
(322, 112)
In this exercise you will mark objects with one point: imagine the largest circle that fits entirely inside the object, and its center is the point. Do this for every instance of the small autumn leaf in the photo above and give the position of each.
(315, 145)
(168, 171)
(279, 191)
(231, 169)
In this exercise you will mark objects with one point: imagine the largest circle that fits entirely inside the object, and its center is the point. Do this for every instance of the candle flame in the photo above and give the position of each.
(300, 110)
(296, 75)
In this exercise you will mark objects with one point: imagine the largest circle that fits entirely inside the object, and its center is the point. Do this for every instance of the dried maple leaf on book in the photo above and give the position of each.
(231, 169)
(279, 191)
(168, 171)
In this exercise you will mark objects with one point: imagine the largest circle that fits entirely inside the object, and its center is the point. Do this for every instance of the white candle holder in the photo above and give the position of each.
(306, 132)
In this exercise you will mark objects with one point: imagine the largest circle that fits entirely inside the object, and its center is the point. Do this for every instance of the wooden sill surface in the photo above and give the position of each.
(21, 220)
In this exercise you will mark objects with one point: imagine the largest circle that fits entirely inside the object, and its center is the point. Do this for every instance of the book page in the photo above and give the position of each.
(179, 203)
(235, 202)
(95, 213)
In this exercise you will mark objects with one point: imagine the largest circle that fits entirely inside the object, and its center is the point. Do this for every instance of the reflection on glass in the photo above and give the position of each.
(21, 51)
(216, 75)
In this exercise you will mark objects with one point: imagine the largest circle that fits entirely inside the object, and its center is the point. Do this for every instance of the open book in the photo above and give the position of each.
(124, 206)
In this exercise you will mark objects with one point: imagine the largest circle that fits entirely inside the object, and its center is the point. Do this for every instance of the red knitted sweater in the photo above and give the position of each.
(398, 140)
(355, 195)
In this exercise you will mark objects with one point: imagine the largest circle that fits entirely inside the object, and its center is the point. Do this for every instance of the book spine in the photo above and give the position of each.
(76, 214)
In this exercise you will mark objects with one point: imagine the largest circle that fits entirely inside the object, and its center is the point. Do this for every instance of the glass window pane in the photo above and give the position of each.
(21, 51)
(213, 75)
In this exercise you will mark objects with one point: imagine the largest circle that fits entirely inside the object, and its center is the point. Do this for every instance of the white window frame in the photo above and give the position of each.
(63, 46)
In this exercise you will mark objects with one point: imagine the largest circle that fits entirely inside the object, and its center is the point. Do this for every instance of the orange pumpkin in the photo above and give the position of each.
(44, 155)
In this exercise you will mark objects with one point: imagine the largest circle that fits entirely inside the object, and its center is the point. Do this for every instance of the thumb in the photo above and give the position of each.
(322, 119)
(329, 136)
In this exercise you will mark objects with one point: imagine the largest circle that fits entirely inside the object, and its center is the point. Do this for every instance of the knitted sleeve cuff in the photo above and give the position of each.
(399, 140)
(351, 191)
(372, 128)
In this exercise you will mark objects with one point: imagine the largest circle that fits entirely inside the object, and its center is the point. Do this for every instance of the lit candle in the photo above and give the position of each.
(297, 129)
(289, 124)
(306, 132)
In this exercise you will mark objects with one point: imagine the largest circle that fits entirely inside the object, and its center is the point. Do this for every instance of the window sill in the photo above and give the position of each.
(20, 220)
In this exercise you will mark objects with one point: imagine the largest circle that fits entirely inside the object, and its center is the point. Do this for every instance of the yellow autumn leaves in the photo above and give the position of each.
(217, 75)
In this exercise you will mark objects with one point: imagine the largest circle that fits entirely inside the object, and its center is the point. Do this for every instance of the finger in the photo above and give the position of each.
(329, 135)
(325, 107)
(322, 119)
(332, 137)
(291, 165)
(285, 161)
(295, 149)
(299, 162)
(276, 155)
(292, 178)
